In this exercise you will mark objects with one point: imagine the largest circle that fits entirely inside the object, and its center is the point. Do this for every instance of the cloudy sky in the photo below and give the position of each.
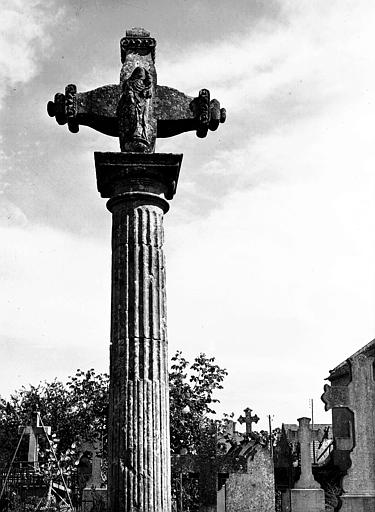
(270, 240)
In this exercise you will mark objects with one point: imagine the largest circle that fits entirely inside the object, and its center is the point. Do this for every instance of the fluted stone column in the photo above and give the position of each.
(138, 424)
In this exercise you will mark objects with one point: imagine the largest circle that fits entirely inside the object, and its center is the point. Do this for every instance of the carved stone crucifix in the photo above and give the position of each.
(138, 183)
(137, 110)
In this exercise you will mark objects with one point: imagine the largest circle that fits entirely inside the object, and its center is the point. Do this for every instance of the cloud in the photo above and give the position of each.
(270, 238)
(279, 285)
(25, 37)
(314, 58)
(277, 279)
(53, 288)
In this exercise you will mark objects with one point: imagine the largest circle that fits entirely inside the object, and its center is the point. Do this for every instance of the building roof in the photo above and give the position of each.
(344, 367)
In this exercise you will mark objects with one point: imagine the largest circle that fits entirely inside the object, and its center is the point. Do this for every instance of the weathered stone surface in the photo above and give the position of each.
(119, 173)
(307, 494)
(354, 430)
(248, 419)
(253, 491)
(307, 500)
(246, 468)
(306, 480)
(138, 430)
(352, 503)
(337, 396)
(94, 448)
(137, 110)
(136, 122)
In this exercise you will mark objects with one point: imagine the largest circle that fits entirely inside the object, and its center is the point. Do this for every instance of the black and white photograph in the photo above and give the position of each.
(187, 266)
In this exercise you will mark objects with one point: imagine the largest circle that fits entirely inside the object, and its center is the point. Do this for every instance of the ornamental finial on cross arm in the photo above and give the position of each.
(137, 110)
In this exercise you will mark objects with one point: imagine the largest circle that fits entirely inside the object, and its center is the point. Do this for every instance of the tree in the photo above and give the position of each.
(192, 387)
(77, 410)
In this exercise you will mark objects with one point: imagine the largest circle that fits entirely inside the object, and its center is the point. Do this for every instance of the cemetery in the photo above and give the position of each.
(132, 465)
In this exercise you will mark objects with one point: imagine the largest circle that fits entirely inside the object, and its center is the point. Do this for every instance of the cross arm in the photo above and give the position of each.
(175, 112)
(96, 108)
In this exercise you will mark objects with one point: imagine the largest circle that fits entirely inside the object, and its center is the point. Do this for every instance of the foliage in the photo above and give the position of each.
(191, 398)
(76, 412)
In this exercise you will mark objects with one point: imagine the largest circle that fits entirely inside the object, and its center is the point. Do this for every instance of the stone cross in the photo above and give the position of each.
(305, 438)
(248, 419)
(137, 110)
(307, 494)
(34, 431)
(95, 448)
(138, 183)
(208, 465)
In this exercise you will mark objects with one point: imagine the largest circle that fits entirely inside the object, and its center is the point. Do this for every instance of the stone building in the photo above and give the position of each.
(351, 396)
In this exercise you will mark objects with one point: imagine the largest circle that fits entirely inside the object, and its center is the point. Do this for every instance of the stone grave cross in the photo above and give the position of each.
(307, 493)
(248, 419)
(208, 465)
(137, 110)
(34, 431)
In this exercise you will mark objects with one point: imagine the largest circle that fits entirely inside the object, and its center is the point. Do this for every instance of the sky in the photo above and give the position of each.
(270, 239)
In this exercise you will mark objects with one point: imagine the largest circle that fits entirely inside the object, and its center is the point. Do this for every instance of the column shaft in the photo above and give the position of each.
(138, 418)
(139, 407)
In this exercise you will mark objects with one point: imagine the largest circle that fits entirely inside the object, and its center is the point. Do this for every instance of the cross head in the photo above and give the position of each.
(34, 430)
(137, 110)
(248, 419)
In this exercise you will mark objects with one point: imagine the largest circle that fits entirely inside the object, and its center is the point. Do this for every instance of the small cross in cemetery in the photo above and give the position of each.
(248, 419)
(34, 430)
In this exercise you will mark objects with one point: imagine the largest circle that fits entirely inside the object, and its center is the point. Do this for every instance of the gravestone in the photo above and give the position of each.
(34, 430)
(95, 488)
(208, 465)
(307, 493)
(352, 400)
(252, 490)
(138, 184)
(236, 477)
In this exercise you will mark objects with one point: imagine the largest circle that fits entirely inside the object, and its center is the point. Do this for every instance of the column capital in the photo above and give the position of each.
(137, 177)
